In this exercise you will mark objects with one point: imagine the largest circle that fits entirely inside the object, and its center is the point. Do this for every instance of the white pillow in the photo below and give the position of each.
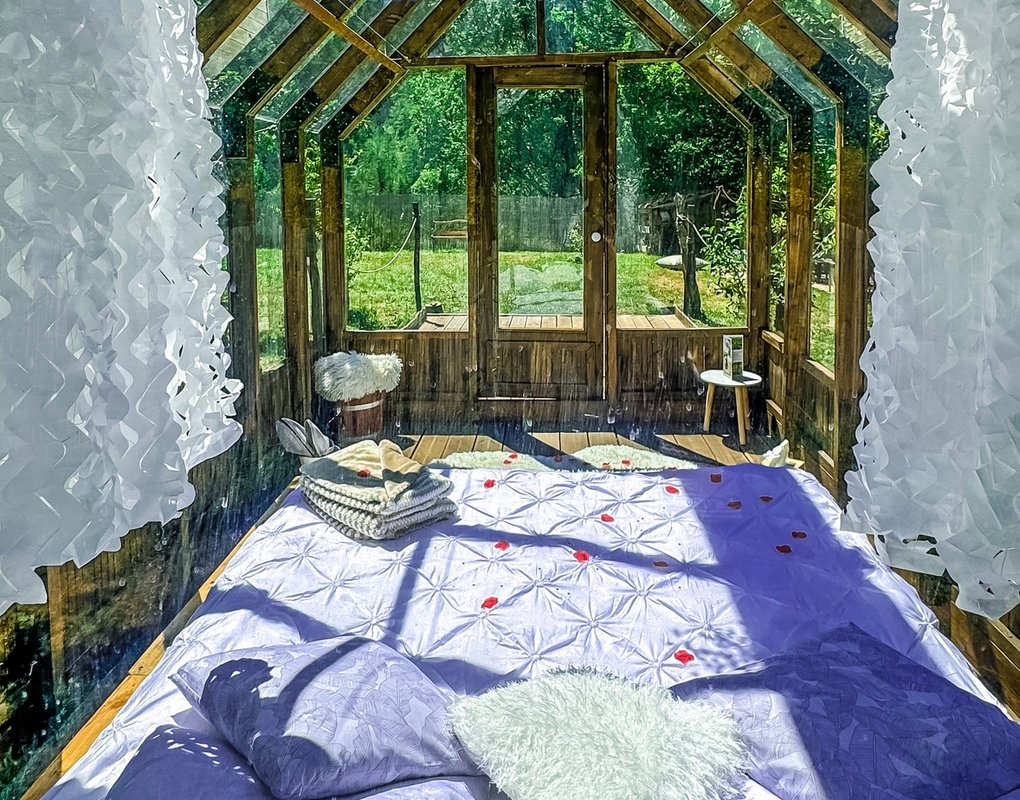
(590, 736)
(778, 456)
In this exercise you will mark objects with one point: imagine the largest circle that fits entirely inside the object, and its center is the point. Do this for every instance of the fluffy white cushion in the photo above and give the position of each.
(348, 376)
(778, 456)
(590, 736)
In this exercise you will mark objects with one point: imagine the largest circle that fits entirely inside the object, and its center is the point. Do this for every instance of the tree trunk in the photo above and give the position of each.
(685, 235)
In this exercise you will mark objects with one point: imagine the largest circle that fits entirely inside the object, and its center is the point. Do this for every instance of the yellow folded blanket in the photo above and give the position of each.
(375, 473)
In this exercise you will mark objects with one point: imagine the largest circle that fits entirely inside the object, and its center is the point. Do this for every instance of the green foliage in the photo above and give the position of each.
(674, 136)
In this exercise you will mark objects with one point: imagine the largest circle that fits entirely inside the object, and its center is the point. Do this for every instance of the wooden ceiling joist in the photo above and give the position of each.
(218, 20)
(721, 29)
(343, 30)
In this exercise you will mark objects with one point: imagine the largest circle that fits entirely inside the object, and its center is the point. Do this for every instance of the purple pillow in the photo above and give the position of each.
(174, 763)
(327, 718)
(847, 717)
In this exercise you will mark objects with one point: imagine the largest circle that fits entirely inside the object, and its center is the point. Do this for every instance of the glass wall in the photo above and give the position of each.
(681, 203)
(406, 166)
(269, 246)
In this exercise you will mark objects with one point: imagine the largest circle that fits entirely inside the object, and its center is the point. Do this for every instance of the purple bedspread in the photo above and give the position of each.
(660, 578)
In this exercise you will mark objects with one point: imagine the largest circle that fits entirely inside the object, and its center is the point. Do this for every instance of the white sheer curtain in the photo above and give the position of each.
(939, 473)
(112, 370)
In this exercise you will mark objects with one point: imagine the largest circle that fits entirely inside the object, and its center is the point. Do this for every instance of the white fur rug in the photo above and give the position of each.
(612, 458)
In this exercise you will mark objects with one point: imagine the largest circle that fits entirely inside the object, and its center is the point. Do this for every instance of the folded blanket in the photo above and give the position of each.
(359, 525)
(426, 490)
(367, 471)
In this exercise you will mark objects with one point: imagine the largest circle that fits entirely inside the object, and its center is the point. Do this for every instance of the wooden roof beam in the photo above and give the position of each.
(876, 19)
(218, 20)
(722, 29)
(415, 45)
(343, 30)
(268, 78)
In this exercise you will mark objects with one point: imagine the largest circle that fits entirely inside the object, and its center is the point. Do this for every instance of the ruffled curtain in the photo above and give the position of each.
(112, 369)
(939, 474)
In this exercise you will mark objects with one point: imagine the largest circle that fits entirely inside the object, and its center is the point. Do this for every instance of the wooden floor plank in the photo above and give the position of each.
(431, 447)
(571, 442)
(602, 438)
(549, 439)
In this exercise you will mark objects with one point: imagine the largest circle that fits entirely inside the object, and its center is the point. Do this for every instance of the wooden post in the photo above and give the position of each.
(759, 243)
(852, 271)
(295, 291)
(684, 210)
(416, 221)
(334, 280)
(242, 260)
(483, 270)
(799, 246)
(314, 278)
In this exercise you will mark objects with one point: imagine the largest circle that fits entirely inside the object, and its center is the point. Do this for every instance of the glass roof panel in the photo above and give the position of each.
(307, 74)
(584, 26)
(756, 95)
(675, 19)
(361, 74)
(841, 40)
(492, 28)
(783, 65)
(250, 43)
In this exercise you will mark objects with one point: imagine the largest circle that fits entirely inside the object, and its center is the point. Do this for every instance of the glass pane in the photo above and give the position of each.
(841, 40)
(269, 244)
(682, 167)
(492, 28)
(823, 288)
(592, 26)
(540, 161)
(409, 152)
(785, 66)
(249, 44)
(311, 70)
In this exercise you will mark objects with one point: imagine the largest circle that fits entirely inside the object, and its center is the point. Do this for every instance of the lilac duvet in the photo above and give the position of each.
(660, 578)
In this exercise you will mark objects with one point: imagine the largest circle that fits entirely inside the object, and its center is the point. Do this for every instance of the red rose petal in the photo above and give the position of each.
(489, 483)
(672, 490)
(660, 564)
(502, 545)
(513, 455)
(766, 498)
(558, 459)
(683, 657)
(508, 461)
(365, 473)
(490, 602)
(785, 549)
(625, 463)
(736, 504)
(715, 477)
(580, 556)
(607, 465)
(606, 518)
(799, 535)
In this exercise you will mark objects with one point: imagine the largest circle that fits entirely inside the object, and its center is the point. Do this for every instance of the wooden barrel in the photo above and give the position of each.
(362, 418)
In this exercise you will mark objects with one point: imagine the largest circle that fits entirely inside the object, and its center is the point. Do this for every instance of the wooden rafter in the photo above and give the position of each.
(415, 45)
(342, 29)
(721, 29)
(218, 20)
(876, 19)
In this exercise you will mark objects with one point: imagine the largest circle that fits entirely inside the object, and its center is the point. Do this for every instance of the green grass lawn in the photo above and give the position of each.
(382, 293)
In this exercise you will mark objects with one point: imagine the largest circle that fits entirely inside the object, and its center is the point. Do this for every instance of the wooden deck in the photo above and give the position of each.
(458, 323)
(513, 437)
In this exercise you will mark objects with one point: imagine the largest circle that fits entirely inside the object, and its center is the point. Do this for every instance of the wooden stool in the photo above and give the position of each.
(740, 385)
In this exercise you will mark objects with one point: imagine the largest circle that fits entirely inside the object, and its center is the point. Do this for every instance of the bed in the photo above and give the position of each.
(658, 577)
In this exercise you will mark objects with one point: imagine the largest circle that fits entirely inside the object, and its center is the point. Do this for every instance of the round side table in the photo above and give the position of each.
(740, 385)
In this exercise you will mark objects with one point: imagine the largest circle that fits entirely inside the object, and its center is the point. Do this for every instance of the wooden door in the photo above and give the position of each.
(538, 258)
